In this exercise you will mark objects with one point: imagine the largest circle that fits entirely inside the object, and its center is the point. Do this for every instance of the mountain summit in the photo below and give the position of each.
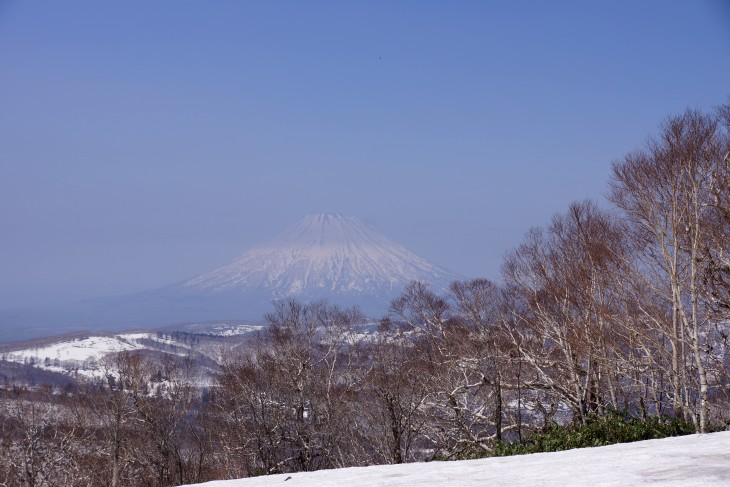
(323, 256)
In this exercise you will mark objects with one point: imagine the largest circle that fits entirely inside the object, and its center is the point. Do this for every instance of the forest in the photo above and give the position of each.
(603, 311)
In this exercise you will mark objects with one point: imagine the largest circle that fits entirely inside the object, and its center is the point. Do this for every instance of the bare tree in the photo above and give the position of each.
(163, 395)
(395, 390)
(290, 400)
(673, 195)
(560, 278)
(457, 344)
(479, 304)
(42, 441)
(110, 403)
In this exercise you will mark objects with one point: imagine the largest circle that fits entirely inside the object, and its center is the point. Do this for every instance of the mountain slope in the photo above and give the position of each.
(323, 255)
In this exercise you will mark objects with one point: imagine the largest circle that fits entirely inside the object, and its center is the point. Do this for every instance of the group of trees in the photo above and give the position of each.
(622, 309)
(141, 423)
(627, 308)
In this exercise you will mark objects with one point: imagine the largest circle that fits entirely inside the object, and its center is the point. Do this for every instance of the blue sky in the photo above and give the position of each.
(144, 142)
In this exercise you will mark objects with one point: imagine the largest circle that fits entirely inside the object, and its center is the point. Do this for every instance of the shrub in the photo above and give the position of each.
(614, 427)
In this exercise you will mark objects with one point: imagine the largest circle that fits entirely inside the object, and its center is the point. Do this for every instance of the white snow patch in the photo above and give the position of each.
(84, 355)
(81, 355)
(77, 349)
(686, 461)
(233, 330)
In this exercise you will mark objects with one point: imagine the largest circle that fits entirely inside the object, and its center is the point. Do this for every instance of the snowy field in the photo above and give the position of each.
(84, 356)
(687, 461)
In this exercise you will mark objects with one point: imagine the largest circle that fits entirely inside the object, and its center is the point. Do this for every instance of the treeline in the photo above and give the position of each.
(140, 423)
(625, 309)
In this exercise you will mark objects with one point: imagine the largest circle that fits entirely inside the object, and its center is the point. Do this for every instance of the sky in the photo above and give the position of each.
(142, 143)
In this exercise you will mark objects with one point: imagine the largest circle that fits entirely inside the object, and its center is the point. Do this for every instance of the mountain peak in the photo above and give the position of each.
(326, 217)
(323, 255)
(324, 229)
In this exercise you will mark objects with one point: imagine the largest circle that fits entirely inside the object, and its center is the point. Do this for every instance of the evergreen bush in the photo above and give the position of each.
(611, 428)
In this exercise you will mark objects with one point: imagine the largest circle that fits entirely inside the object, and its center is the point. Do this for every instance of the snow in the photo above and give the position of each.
(226, 330)
(82, 355)
(78, 349)
(323, 253)
(687, 461)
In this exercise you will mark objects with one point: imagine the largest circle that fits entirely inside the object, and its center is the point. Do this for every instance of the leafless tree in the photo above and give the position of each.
(457, 337)
(560, 278)
(290, 400)
(42, 442)
(673, 193)
(395, 391)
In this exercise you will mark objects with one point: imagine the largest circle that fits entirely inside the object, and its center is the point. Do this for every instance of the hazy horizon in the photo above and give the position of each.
(145, 143)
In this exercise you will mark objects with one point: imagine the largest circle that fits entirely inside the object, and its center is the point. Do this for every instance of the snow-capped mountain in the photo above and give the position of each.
(323, 255)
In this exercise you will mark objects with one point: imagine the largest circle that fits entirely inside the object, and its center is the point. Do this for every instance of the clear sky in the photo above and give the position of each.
(144, 142)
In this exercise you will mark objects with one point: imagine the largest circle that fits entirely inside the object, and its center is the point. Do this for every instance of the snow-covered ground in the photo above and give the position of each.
(227, 330)
(83, 356)
(78, 354)
(687, 461)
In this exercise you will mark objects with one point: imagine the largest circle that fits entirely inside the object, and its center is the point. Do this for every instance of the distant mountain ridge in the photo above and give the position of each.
(322, 256)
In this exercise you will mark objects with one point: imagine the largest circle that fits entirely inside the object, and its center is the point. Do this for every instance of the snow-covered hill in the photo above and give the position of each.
(83, 356)
(686, 461)
(80, 355)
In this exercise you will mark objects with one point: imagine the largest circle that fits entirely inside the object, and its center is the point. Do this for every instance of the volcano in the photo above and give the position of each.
(322, 256)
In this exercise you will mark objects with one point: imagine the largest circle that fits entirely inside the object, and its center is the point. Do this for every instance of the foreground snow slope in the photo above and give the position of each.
(696, 460)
